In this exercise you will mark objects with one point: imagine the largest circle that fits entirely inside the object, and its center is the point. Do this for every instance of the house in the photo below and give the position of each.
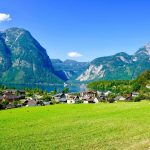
(10, 97)
(31, 103)
(135, 94)
(90, 100)
(96, 100)
(9, 106)
(71, 98)
(88, 94)
(148, 86)
(48, 103)
(10, 91)
(1, 98)
(25, 102)
(89, 97)
(40, 103)
(71, 101)
(21, 92)
(120, 98)
(99, 94)
(60, 98)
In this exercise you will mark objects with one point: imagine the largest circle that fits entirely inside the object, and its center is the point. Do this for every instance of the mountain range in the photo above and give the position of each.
(69, 69)
(24, 60)
(120, 66)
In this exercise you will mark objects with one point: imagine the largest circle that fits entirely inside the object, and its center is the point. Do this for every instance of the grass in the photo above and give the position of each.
(119, 126)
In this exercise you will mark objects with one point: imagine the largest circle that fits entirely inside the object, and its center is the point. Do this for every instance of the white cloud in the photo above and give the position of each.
(4, 17)
(74, 54)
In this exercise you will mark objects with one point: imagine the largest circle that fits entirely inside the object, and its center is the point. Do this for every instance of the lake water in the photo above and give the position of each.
(47, 87)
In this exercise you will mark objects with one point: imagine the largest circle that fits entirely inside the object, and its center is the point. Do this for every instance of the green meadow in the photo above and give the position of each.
(118, 126)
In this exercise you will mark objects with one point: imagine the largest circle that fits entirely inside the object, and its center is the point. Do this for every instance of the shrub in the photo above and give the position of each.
(15, 103)
(111, 98)
(54, 102)
(47, 98)
(139, 98)
(5, 103)
(1, 106)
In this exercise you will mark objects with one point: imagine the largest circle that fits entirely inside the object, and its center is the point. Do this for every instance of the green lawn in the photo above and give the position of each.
(119, 126)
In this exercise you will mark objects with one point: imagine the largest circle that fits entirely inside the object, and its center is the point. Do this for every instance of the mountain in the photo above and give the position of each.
(118, 67)
(69, 69)
(23, 59)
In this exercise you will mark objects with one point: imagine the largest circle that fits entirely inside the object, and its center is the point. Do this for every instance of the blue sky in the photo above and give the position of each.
(87, 28)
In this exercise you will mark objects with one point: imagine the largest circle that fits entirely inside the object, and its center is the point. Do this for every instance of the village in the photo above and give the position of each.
(12, 98)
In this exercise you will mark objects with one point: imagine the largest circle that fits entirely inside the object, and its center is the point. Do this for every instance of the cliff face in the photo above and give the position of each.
(23, 59)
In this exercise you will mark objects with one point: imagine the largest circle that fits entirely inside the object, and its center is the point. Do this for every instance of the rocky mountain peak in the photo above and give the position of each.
(148, 48)
(120, 66)
(144, 51)
(28, 60)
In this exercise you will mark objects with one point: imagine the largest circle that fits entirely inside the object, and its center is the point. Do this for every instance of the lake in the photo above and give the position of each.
(50, 87)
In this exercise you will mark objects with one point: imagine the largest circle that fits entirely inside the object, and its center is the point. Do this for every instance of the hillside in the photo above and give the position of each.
(124, 86)
(103, 126)
(120, 66)
(144, 79)
(23, 59)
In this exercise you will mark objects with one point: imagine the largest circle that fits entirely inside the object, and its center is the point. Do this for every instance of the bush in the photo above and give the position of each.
(29, 94)
(15, 103)
(111, 98)
(5, 103)
(1, 106)
(139, 98)
(54, 102)
(47, 98)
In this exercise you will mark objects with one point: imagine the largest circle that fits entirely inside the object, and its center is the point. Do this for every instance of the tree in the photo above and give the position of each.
(111, 97)
(55, 91)
(5, 103)
(15, 103)
(136, 86)
(47, 98)
(66, 90)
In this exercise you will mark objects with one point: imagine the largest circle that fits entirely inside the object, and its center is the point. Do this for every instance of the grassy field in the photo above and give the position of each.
(119, 126)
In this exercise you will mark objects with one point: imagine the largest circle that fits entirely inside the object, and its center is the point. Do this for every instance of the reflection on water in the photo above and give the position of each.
(46, 87)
